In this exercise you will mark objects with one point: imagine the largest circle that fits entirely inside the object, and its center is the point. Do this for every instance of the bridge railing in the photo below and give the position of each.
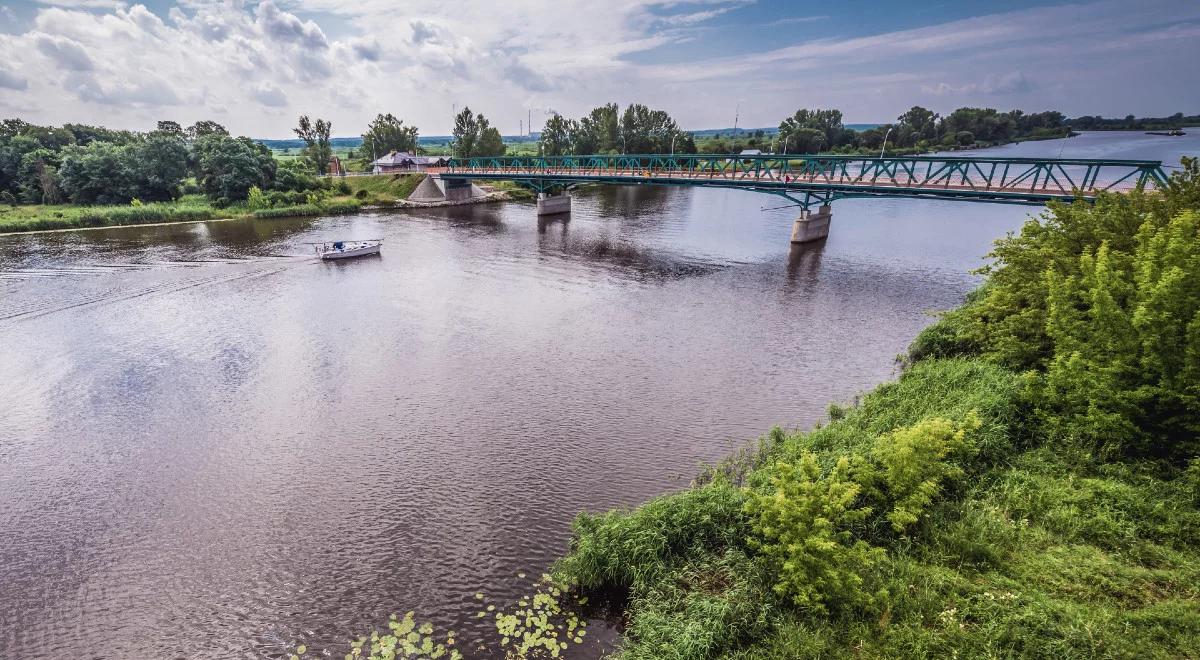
(1058, 176)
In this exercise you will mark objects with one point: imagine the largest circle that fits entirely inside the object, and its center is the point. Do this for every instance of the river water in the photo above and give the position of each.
(213, 445)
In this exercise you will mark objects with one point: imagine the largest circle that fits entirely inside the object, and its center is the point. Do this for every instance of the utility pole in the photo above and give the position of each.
(529, 124)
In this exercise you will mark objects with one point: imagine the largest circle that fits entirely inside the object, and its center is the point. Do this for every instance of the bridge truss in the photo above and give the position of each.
(810, 180)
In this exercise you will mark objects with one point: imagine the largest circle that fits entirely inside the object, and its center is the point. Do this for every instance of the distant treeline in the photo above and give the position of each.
(83, 164)
(1131, 123)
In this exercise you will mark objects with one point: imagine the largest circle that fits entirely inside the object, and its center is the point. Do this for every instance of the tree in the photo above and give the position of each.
(318, 150)
(490, 142)
(922, 122)
(38, 178)
(203, 128)
(466, 133)
(294, 175)
(557, 135)
(387, 134)
(646, 131)
(229, 167)
(599, 131)
(97, 173)
(159, 164)
(828, 122)
(172, 127)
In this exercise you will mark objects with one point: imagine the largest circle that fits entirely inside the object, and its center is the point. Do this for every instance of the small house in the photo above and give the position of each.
(403, 161)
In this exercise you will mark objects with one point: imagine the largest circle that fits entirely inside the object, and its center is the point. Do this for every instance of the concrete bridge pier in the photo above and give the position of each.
(812, 226)
(552, 204)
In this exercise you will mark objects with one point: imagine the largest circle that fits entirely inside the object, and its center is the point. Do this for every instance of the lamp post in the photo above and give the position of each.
(785, 143)
(885, 137)
(673, 136)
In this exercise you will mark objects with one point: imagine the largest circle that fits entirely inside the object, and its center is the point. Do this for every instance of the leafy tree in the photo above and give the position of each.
(97, 173)
(490, 141)
(646, 131)
(39, 177)
(387, 134)
(159, 164)
(171, 127)
(828, 122)
(466, 133)
(599, 131)
(556, 136)
(229, 167)
(318, 149)
(922, 123)
(204, 128)
(295, 175)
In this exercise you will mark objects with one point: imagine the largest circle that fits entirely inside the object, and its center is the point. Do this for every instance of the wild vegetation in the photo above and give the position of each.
(1030, 486)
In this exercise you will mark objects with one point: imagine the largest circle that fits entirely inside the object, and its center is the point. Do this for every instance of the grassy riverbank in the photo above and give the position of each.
(42, 217)
(1028, 487)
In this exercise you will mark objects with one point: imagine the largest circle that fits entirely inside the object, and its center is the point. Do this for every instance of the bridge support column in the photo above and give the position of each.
(553, 204)
(812, 226)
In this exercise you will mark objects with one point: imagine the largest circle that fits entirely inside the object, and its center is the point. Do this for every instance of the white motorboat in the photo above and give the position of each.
(347, 249)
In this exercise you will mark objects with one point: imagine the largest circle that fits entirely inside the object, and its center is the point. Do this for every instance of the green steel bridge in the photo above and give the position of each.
(817, 180)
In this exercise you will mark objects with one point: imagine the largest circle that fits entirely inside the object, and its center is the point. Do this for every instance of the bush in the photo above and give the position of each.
(343, 188)
(1101, 303)
(801, 527)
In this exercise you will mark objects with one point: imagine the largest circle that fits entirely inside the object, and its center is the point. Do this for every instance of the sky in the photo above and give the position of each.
(256, 66)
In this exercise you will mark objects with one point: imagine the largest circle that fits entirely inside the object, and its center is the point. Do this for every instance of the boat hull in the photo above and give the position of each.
(352, 253)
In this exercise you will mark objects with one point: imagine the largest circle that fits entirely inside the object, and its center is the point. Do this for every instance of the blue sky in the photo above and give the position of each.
(255, 66)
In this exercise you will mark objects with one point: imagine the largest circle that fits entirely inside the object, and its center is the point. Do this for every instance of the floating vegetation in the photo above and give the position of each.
(539, 626)
(404, 639)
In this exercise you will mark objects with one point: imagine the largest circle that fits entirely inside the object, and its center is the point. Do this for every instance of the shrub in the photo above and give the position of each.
(801, 528)
(256, 200)
(914, 464)
(343, 188)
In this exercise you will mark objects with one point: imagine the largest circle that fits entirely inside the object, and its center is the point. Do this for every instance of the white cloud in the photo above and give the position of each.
(258, 65)
(10, 80)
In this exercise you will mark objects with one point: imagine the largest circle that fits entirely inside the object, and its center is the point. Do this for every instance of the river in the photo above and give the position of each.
(214, 445)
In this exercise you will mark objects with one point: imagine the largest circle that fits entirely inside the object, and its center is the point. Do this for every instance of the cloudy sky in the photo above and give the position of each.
(254, 66)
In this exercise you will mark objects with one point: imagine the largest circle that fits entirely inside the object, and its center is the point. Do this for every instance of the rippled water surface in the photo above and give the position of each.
(214, 445)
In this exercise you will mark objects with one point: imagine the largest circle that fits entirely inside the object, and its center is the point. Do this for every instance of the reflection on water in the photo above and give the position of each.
(213, 444)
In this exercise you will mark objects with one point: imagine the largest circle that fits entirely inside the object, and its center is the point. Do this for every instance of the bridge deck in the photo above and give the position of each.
(820, 179)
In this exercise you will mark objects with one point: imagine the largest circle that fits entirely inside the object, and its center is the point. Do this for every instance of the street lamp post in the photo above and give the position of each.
(885, 137)
(673, 136)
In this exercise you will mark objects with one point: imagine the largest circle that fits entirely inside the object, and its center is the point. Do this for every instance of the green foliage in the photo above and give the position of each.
(620, 549)
(702, 608)
(229, 167)
(295, 175)
(914, 463)
(256, 200)
(387, 134)
(318, 150)
(801, 527)
(1099, 304)
(556, 135)
(404, 639)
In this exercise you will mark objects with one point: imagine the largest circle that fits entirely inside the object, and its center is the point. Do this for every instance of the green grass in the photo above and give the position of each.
(1036, 553)
(39, 217)
(384, 188)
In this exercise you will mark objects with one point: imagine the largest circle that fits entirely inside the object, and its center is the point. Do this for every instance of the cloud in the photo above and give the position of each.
(347, 61)
(85, 4)
(67, 53)
(287, 27)
(991, 85)
(270, 95)
(795, 20)
(148, 92)
(9, 80)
